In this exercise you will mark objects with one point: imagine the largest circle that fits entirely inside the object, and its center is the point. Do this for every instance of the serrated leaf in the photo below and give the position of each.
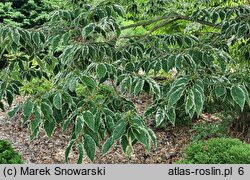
(129, 150)
(118, 9)
(13, 112)
(27, 108)
(46, 110)
(174, 97)
(247, 95)
(153, 137)
(88, 29)
(107, 145)
(49, 127)
(198, 100)
(55, 42)
(238, 96)
(36, 121)
(109, 123)
(164, 65)
(10, 97)
(182, 81)
(89, 119)
(98, 121)
(124, 143)
(66, 97)
(36, 38)
(171, 116)
(57, 101)
(79, 125)
(150, 110)
(159, 117)
(142, 136)
(138, 87)
(80, 152)
(72, 84)
(101, 70)
(220, 91)
(90, 147)
(119, 130)
(68, 121)
(16, 36)
(89, 82)
(68, 149)
(189, 101)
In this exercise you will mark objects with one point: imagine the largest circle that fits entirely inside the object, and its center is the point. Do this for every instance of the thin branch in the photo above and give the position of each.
(169, 18)
(146, 23)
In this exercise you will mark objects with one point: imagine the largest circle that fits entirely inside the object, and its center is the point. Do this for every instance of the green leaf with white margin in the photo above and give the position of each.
(175, 96)
(28, 108)
(220, 90)
(37, 119)
(153, 137)
(189, 102)
(150, 110)
(89, 82)
(159, 117)
(119, 130)
(198, 100)
(81, 153)
(89, 119)
(182, 81)
(129, 149)
(142, 136)
(118, 9)
(49, 127)
(171, 116)
(124, 143)
(13, 112)
(247, 94)
(68, 149)
(107, 145)
(238, 95)
(57, 101)
(90, 147)
(35, 124)
(101, 70)
(88, 30)
(72, 84)
(15, 36)
(55, 42)
(47, 110)
(10, 97)
(138, 86)
(79, 125)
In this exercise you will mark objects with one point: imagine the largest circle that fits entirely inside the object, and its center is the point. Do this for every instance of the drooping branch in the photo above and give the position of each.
(167, 19)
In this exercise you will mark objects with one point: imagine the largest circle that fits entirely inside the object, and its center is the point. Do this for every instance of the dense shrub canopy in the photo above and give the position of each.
(188, 55)
(24, 13)
(217, 151)
(8, 155)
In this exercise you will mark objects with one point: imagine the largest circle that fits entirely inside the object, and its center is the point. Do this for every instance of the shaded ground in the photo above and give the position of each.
(44, 150)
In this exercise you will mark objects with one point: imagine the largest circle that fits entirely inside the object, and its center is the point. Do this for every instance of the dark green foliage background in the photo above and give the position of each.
(217, 151)
(8, 155)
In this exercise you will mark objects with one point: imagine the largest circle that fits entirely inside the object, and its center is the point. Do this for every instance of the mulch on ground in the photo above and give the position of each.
(46, 150)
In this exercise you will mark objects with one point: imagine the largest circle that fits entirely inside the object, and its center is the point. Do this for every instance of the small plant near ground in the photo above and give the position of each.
(215, 126)
(206, 130)
(217, 151)
(8, 155)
